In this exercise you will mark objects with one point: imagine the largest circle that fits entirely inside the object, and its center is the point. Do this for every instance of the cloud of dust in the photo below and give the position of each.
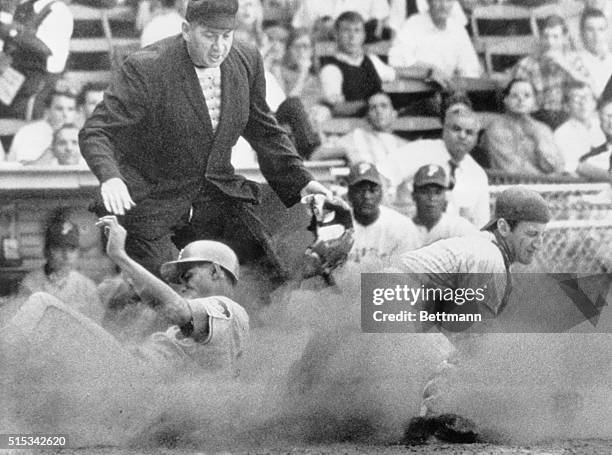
(308, 375)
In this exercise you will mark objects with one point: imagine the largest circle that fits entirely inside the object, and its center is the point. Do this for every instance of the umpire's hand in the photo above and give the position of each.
(116, 197)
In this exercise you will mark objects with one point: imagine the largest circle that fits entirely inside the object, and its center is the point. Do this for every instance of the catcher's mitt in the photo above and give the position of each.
(332, 225)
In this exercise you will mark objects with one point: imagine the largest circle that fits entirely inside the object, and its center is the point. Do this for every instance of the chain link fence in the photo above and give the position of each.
(579, 238)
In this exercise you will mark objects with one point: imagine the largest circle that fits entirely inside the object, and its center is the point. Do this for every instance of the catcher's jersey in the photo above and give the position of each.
(220, 329)
(447, 227)
(467, 262)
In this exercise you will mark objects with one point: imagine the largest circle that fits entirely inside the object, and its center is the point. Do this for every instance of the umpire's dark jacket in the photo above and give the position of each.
(153, 131)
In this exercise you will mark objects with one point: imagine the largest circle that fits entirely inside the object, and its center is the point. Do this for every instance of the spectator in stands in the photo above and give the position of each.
(166, 21)
(550, 69)
(89, 97)
(276, 36)
(458, 99)
(375, 143)
(515, 141)
(429, 46)
(59, 276)
(64, 150)
(582, 131)
(281, 10)
(381, 234)
(144, 12)
(289, 111)
(319, 16)
(33, 139)
(249, 22)
(403, 9)
(299, 71)
(596, 164)
(430, 188)
(36, 36)
(602, 5)
(596, 57)
(470, 194)
(350, 76)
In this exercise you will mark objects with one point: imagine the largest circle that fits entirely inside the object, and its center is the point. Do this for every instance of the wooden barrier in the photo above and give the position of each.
(29, 194)
(343, 125)
(328, 48)
(467, 84)
(340, 126)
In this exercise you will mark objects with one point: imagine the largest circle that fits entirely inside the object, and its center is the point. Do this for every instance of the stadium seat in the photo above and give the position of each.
(497, 23)
(500, 56)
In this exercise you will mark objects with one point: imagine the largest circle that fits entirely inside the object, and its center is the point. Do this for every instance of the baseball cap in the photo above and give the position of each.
(519, 203)
(430, 174)
(363, 171)
(60, 232)
(213, 13)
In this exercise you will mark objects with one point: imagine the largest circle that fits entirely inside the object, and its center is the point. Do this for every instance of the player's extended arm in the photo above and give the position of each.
(168, 302)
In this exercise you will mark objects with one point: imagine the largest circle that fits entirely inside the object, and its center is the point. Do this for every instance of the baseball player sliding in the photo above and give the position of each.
(210, 328)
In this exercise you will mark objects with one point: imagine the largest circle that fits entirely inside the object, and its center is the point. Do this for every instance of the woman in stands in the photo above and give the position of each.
(551, 69)
(515, 141)
(299, 72)
(249, 22)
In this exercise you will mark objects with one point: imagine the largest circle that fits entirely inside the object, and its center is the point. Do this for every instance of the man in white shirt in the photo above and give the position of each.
(381, 234)
(595, 165)
(400, 12)
(430, 197)
(375, 143)
(469, 197)
(33, 139)
(64, 150)
(312, 13)
(91, 94)
(350, 76)
(581, 132)
(166, 21)
(596, 56)
(432, 47)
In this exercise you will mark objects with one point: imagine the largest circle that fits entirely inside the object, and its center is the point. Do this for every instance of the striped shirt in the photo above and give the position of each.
(469, 262)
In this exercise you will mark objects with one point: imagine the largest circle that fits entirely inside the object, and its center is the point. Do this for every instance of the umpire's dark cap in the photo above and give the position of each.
(519, 204)
(363, 172)
(213, 13)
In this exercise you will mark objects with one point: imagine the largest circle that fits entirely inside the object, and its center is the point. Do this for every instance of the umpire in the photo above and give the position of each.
(160, 142)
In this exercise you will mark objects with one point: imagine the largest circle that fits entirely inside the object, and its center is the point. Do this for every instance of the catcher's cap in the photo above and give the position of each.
(430, 174)
(213, 13)
(201, 251)
(363, 172)
(520, 204)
